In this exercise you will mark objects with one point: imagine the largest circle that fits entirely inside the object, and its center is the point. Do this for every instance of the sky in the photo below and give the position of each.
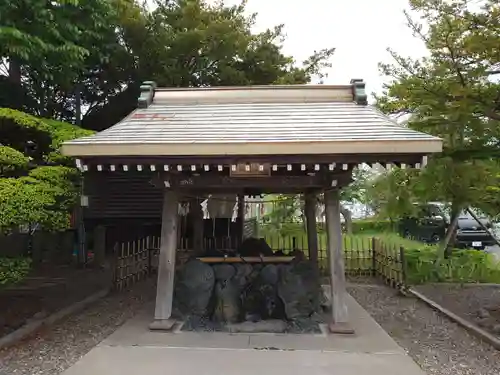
(360, 31)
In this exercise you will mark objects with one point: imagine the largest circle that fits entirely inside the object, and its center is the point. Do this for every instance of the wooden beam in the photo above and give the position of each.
(408, 158)
(340, 316)
(312, 230)
(210, 181)
(166, 265)
(189, 184)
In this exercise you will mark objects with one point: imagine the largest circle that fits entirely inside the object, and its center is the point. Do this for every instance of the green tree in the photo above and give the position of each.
(78, 43)
(354, 193)
(190, 43)
(99, 52)
(291, 208)
(37, 184)
(453, 94)
(286, 208)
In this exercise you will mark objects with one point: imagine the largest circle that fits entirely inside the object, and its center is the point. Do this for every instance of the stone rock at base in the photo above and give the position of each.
(243, 272)
(252, 317)
(255, 272)
(268, 279)
(300, 290)
(272, 305)
(260, 297)
(254, 247)
(227, 301)
(269, 274)
(306, 325)
(298, 255)
(325, 298)
(194, 288)
(290, 291)
(224, 272)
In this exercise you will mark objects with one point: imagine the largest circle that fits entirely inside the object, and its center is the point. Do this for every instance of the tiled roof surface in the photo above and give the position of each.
(254, 122)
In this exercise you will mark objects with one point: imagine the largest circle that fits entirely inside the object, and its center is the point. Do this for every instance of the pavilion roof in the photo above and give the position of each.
(255, 120)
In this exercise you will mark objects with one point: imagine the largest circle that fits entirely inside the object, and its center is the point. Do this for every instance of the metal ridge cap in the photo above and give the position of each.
(256, 87)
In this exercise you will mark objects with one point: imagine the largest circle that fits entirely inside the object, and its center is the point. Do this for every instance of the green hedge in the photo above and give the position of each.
(371, 226)
(364, 226)
(13, 270)
(462, 266)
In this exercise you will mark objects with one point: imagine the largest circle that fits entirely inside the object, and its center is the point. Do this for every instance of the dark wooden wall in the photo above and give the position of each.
(130, 208)
(122, 195)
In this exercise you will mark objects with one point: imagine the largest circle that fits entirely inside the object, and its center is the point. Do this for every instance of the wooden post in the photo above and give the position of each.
(312, 229)
(166, 263)
(404, 269)
(339, 323)
(198, 224)
(374, 256)
(241, 217)
(99, 245)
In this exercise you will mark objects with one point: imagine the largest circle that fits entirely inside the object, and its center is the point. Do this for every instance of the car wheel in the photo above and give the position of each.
(435, 238)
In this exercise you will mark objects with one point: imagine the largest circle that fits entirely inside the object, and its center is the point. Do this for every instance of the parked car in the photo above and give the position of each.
(470, 234)
(431, 221)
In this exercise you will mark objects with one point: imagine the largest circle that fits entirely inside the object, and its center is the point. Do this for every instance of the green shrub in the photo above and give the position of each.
(13, 270)
(283, 230)
(371, 226)
(364, 226)
(462, 266)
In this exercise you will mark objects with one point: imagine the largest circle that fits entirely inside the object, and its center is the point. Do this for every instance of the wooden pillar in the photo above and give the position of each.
(340, 321)
(166, 263)
(241, 217)
(312, 230)
(198, 224)
(99, 245)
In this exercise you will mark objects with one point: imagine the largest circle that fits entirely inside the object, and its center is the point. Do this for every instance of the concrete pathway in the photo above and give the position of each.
(133, 349)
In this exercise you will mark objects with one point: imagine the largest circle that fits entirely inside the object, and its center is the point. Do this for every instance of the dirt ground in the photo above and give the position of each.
(480, 304)
(47, 289)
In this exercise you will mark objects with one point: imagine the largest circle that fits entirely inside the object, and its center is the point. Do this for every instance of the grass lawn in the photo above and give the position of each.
(461, 266)
(353, 242)
(357, 247)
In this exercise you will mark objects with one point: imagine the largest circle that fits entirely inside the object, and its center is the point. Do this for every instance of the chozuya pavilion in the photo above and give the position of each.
(248, 141)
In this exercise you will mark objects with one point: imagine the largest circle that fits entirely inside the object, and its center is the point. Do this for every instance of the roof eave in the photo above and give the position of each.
(393, 146)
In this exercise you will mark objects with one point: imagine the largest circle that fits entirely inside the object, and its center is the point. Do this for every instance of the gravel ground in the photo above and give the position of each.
(438, 345)
(57, 348)
(46, 290)
(480, 304)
